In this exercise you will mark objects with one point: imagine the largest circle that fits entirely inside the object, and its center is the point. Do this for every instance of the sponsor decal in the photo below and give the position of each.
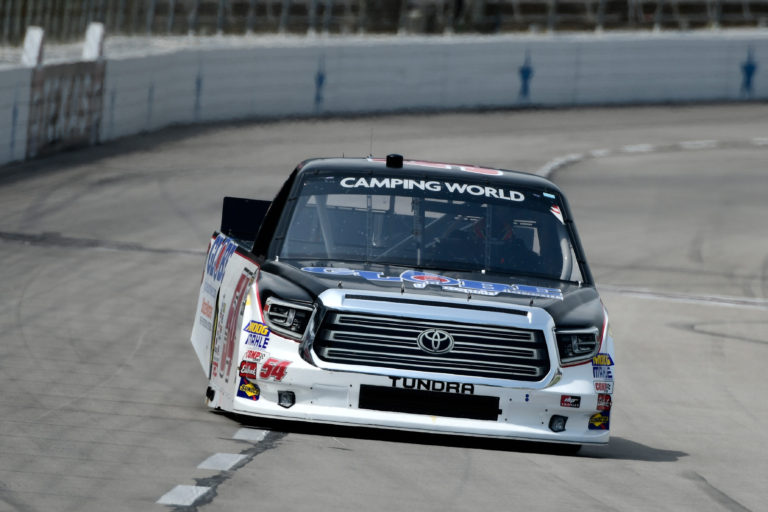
(603, 402)
(599, 421)
(602, 367)
(433, 186)
(248, 390)
(207, 310)
(423, 279)
(254, 356)
(604, 387)
(219, 340)
(557, 213)
(436, 165)
(233, 318)
(602, 360)
(210, 289)
(570, 401)
(218, 256)
(258, 334)
(480, 170)
(462, 388)
(206, 324)
(249, 369)
(255, 327)
(602, 372)
(65, 107)
(274, 369)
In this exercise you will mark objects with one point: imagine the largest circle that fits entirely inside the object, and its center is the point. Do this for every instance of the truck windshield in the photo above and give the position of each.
(431, 224)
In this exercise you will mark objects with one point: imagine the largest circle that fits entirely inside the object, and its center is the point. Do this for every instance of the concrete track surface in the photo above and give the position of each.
(101, 395)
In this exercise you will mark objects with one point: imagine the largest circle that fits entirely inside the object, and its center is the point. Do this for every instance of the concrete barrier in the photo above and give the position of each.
(14, 113)
(278, 77)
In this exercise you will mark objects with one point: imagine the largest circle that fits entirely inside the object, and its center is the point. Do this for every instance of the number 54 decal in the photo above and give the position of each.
(274, 369)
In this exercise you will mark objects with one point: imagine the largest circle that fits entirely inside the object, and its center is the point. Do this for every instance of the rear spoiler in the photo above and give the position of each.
(241, 218)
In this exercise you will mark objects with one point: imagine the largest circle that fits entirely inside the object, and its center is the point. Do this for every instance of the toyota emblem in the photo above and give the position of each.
(435, 341)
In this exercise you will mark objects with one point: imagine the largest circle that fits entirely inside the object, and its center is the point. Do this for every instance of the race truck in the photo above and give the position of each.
(410, 295)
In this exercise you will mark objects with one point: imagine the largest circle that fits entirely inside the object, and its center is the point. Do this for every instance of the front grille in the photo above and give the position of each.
(493, 352)
(452, 405)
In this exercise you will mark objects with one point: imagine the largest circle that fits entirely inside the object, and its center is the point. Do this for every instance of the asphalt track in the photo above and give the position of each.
(101, 395)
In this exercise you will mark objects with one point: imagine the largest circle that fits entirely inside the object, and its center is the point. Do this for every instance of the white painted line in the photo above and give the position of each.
(250, 434)
(598, 153)
(760, 141)
(639, 148)
(555, 164)
(183, 495)
(698, 144)
(221, 461)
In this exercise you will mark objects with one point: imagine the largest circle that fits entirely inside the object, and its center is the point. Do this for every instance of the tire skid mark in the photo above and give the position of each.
(51, 239)
(695, 249)
(715, 493)
(89, 388)
(7, 498)
(710, 300)
(764, 279)
(700, 329)
(20, 324)
(173, 204)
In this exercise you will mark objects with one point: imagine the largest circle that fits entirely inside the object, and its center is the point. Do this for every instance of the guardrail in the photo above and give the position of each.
(66, 20)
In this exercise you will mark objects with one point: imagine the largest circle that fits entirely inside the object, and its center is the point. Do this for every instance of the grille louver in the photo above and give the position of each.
(479, 350)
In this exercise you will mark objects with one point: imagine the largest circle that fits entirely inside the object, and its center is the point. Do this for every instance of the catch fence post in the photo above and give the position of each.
(312, 21)
(32, 54)
(192, 18)
(151, 16)
(286, 7)
(171, 16)
(251, 19)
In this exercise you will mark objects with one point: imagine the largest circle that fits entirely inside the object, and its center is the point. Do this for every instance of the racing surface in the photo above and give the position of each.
(101, 394)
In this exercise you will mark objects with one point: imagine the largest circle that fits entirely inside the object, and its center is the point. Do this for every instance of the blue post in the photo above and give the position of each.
(198, 93)
(748, 69)
(526, 75)
(319, 84)
(112, 99)
(150, 104)
(14, 121)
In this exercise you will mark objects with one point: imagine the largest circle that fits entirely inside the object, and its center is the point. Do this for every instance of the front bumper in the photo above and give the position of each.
(421, 401)
(525, 414)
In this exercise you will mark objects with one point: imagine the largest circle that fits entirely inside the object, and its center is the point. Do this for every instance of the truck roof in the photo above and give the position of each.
(397, 165)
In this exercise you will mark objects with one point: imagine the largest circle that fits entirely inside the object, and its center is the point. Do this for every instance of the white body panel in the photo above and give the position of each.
(330, 394)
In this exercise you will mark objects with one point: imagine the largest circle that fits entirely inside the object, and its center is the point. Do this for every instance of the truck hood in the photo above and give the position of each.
(569, 304)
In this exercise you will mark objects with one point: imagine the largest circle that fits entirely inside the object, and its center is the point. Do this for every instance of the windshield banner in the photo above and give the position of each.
(432, 186)
(449, 284)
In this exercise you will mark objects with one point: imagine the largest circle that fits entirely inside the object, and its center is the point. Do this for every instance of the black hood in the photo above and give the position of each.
(570, 304)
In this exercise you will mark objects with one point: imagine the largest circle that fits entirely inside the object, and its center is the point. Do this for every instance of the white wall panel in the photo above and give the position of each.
(14, 113)
(294, 77)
